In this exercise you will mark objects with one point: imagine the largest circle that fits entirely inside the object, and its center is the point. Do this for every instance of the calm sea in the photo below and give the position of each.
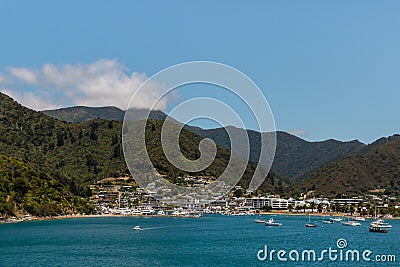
(213, 240)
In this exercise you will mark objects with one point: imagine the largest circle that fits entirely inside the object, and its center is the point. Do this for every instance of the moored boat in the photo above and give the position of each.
(351, 223)
(271, 222)
(337, 219)
(377, 229)
(327, 221)
(381, 224)
(359, 219)
(310, 224)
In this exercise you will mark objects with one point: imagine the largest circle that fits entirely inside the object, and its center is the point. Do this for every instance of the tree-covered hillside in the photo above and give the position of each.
(25, 189)
(358, 174)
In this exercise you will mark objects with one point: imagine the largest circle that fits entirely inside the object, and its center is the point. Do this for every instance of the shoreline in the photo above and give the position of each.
(273, 213)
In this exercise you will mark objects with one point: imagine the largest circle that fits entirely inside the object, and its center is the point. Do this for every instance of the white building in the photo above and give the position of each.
(274, 203)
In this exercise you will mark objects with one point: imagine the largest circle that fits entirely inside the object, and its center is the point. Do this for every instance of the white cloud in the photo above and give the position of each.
(101, 83)
(3, 79)
(30, 100)
(26, 75)
(298, 132)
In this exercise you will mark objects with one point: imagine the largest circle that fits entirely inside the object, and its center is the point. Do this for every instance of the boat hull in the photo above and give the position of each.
(310, 225)
(377, 229)
(273, 224)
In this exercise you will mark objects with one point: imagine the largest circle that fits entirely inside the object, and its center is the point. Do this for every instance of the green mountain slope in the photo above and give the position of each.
(74, 153)
(357, 174)
(189, 143)
(77, 154)
(295, 158)
(24, 189)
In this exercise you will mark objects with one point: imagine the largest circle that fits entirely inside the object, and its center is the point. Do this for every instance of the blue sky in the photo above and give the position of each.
(328, 69)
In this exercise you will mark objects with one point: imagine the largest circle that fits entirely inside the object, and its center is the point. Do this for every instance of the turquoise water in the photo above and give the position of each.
(213, 240)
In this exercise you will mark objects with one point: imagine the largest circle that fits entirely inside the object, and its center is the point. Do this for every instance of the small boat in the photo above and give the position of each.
(271, 222)
(137, 228)
(381, 224)
(359, 219)
(351, 223)
(377, 229)
(325, 220)
(337, 219)
(310, 224)
(258, 220)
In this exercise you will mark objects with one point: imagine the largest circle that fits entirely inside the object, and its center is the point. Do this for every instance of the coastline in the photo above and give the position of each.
(273, 213)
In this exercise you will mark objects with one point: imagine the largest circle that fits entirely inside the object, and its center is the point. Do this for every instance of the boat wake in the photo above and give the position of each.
(161, 227)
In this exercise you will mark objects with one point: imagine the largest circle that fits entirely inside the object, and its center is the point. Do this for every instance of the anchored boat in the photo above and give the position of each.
(271, 222)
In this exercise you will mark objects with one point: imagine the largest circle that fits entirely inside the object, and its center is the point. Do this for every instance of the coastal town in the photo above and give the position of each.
(121, 196)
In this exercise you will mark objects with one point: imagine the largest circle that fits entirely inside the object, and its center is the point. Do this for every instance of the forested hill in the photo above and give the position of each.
(23, 188)
(295, 158)
(378, 169)
(76, 154)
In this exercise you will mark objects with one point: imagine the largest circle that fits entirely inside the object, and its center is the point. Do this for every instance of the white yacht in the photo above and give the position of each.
(337, 219)
(271, 222)
(351, 223)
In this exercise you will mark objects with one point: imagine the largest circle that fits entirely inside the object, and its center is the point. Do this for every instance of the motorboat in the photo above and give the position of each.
(271, 222)
(137, 228)
(351, 223)
(337, 219)
(381, 224)
(379, 227)
(328, 221)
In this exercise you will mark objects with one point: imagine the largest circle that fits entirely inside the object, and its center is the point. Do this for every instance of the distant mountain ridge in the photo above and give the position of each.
(82, 114)
(295, 158)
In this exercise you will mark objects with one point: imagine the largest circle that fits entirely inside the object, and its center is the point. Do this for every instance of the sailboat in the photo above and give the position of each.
(309, 224)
